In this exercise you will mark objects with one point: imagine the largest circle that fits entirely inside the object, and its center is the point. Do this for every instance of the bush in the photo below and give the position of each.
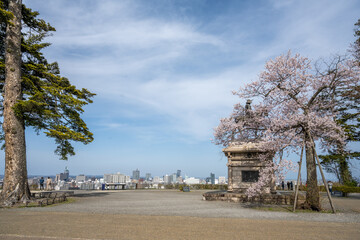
(347, 189)
(342, 188)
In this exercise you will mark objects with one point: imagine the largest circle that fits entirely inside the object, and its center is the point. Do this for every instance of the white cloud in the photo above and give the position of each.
(164, 75)
(133, 58)
(313, 28)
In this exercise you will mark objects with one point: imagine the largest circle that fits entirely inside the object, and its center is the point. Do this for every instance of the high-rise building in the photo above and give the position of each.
(66, 174)
(178, 173)
(147, 176)
(167, 179)
(136, 174)
(116, 178)
(212, 178)
(62, 176)
(173, 178)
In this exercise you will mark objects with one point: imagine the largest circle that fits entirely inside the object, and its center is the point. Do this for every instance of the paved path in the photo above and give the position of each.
(171, 215)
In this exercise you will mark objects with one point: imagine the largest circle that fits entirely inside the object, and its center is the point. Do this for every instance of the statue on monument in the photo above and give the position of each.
(246, 154)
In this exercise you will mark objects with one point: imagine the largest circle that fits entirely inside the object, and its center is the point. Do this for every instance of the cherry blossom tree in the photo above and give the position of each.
(294, 107)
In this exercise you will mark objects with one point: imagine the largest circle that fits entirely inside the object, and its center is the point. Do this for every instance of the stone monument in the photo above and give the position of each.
(247, 155)
(244, 165)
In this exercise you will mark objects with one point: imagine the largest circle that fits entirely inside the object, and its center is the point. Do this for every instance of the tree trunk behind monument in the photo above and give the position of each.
(312, 193)
(15, 181)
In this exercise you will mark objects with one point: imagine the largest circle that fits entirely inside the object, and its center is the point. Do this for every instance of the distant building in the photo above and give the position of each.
(147, 176)
(127, 179)
(66, 174)
(80, 178)
(156, 179)
(116, 178)
(62, 176)
(179, 180)
(173, 178)
(203, 181)
(212, 178)
(167, 179)
(108, 178)
(192, 180)
(136, 174)
(178, 173)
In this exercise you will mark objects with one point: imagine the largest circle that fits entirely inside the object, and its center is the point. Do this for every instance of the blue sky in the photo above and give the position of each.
(163, 72)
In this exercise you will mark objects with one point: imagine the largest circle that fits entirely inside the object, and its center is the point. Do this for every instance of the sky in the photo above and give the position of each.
(163, 72)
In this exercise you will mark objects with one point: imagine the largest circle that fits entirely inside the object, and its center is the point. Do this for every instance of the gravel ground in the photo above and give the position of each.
(145, 214)
(175, 203)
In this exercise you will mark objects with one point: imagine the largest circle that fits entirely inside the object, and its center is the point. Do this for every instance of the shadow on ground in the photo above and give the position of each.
(90, 194)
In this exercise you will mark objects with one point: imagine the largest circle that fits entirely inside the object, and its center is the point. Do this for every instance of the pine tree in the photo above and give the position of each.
(356, 45)
(41, 98)
(348, 117)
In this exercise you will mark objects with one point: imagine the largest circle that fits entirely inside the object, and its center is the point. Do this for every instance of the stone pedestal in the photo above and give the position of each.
(244, 165)
(285, 198)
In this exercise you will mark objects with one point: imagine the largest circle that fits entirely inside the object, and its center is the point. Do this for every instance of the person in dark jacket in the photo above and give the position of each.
(41, 181)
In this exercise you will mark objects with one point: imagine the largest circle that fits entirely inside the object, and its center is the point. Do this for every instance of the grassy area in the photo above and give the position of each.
(36, 204)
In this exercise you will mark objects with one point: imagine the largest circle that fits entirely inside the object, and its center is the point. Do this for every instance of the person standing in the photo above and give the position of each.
(288, 185)
(48, 184)
(41, 181)
(330, 184)
(282, 185)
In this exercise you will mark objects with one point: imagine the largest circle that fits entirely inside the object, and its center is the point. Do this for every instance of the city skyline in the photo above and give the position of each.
(163, 73)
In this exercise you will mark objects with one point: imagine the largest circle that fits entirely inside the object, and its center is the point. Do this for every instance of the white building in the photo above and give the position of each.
(173, 178)
(80, 178)
(192, 180)
(179, 179)
(156, 179)
(116, 178)
(108, 178)
(167, 179)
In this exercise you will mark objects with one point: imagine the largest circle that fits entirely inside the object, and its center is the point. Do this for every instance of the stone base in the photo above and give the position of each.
(277, 199)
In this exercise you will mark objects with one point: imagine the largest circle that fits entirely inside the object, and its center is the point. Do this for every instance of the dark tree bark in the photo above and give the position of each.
(345, 174)
(312, 193)
(15, 182)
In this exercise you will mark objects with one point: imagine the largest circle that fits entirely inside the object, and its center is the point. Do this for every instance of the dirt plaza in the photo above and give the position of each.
(169, 214)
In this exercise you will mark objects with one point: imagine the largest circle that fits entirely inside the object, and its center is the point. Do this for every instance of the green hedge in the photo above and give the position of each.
(344, 189)
(347, 189)
(340, 188)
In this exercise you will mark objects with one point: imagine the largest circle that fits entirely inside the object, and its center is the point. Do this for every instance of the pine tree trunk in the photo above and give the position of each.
(15, 182)
(312, 194)
(345, 174)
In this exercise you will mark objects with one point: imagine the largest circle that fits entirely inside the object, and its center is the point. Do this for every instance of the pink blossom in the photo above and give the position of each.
(295, 96)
